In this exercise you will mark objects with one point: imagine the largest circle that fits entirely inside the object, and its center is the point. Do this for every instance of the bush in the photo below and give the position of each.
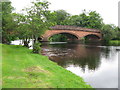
(36, 48)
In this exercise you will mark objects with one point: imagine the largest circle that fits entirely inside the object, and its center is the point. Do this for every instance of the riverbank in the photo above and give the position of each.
(114, 42)
(23, 69)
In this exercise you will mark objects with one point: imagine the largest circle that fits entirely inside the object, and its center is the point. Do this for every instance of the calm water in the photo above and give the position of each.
(97, 64)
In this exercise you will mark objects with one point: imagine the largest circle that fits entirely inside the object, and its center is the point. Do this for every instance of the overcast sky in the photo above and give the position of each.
(108, 9)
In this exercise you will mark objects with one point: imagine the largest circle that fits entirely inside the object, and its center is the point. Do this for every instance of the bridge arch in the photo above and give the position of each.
(92, 37)
(69, 33)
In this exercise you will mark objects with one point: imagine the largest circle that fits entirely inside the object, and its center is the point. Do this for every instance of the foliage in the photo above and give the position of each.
(63, 37)
(114, 42)
(57, 17)
(34, 24)
(23, 28)
(50, 17)
(37, 21)
(36, 17)
(95, 20)
(8, 24)
(39, 18)
(108, 32)
(117, 33)
(36, 48)
(90, 19)
(58, 38)
(61, 15)
(72, 20)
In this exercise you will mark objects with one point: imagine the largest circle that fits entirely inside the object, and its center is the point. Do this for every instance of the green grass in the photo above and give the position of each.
(0, 67)
(23, 69)
(114, 42)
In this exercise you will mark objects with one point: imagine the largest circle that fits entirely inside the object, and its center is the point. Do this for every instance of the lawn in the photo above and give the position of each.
(23, 69)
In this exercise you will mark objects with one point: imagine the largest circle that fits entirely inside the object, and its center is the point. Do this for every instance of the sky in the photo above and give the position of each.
(108, 9)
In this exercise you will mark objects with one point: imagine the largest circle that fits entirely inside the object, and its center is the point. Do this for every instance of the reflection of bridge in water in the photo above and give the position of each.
(77, 32)
(74, 54)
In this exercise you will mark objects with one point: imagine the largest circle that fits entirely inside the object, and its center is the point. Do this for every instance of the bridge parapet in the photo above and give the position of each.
(75, 28)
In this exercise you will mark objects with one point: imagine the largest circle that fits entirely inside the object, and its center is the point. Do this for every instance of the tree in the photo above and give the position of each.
(72, 20)
(51, 17)
(23, 28)
(37, 21)
(95, 20)
(116, 33)
(60, 16)
(90, 19)
(8, 24)
(108, 32)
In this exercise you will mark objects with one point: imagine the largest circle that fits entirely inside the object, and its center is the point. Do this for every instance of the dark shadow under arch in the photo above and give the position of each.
(70, 36)
(92, 37)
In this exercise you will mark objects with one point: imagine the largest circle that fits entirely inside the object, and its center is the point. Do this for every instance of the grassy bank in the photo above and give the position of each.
(23, 69)
(114, 42)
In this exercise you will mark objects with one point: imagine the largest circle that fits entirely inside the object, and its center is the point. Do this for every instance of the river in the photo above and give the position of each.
(95, 63)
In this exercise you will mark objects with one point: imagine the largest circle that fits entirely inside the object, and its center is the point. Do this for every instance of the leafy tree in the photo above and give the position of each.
(72, 20)
(60, 16)
(23, 29)
(8, 24)
(94, 20)
(116, 33)
(33, 24)
(90, 19)
(51, 17)
(37, 21)
(107, 32)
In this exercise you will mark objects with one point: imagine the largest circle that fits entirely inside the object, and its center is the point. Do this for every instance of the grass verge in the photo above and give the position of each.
(114, 42)
(23, 69)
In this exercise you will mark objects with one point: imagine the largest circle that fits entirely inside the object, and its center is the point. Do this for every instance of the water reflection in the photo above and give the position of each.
(76, 54)
(96, 64)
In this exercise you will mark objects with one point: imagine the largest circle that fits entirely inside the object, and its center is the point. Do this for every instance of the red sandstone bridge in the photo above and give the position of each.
(78, 32)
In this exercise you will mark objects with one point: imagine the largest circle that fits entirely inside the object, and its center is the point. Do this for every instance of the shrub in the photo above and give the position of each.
(36, 48)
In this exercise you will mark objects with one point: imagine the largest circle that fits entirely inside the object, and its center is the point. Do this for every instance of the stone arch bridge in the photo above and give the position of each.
(78, 32)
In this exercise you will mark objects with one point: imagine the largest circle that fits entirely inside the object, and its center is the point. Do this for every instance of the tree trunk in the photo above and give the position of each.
(26, 43)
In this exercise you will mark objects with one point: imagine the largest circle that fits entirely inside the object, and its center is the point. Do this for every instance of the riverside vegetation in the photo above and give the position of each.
(23, 69)
(114, 42)
(39, 18)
